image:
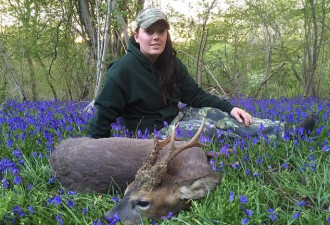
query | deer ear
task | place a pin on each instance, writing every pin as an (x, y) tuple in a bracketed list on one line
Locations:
[(200, 187)]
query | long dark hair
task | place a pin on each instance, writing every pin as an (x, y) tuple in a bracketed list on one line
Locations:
[(166, 66)]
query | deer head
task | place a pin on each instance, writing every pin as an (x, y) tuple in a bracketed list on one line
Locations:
[(167, 184)]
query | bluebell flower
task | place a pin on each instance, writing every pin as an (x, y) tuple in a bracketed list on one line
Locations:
[(5, 184), (17, 180), (70, 203), (259, 160), (272, 214), (9, 143), (296, 215), (71, 192), (326, 148), (301, 203), (285, 165), (51, 180), (248, 212), (30, 208), (247, 172), (243, 199), (84, 211), (256, 174), (235, 166), (59, 219), (245, 220), (57, 200), (115, 199), (16, 153), (231, 196), (170, 215), (114, 219), (245, 157), (18, 211)]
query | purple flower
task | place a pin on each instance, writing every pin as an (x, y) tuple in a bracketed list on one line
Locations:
[(59, 219), (248, 212), (259, 160), (301, 203), (272, 214), (235, 166), (296, 215), (71, 192), (51, 180), (97, 222), (326, 148), (113, 220), (18, 211), (311, 157), (285, 165), (70, 203), (256, 174), (17, 180), (115, 199), (247, 172), (30, 208), (170, 215), (84, 211), (4, 183), (231, 196), (245, 220), (30, 186), (57, 200), (243, 199), (16, 153), (245, 157)]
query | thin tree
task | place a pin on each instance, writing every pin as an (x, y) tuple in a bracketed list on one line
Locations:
[(12, 72)]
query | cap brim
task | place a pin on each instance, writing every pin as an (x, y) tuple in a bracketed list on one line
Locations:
[(151, 21)]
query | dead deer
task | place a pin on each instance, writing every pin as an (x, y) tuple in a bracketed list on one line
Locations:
[(166, 177)]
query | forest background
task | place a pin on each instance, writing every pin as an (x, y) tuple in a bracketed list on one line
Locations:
[(260, 48)]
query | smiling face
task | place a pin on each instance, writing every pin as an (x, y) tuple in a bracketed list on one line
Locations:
[(152, 40)]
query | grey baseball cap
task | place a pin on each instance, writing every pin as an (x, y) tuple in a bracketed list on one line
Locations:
[(149, 16)]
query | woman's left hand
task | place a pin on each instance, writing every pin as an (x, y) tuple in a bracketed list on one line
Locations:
[(241, 116)]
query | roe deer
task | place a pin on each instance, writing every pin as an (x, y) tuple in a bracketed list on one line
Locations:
[(167, 179)]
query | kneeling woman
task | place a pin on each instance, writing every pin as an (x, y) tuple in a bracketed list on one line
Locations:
[(145, 86)]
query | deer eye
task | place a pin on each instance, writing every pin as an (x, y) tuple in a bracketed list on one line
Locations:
[(143, 205)]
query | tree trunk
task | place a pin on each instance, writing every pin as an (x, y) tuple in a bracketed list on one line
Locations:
[(202, 45), (32, 79), (52, 88), (12, 72), (315, 37), (268, 60)]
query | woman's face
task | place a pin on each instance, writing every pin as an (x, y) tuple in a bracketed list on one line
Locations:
[(152, 40)]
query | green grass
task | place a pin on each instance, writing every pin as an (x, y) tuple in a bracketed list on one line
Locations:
[(289, 177)]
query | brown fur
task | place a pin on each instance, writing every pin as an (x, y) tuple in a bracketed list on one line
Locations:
[(164, 183)]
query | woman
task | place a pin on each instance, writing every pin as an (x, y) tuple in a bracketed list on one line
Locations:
[(145, 86)]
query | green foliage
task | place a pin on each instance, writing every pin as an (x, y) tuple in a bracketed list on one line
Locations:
[(42, 45), (288, 177)]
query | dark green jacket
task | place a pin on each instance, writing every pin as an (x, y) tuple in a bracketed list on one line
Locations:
[(130, 91)]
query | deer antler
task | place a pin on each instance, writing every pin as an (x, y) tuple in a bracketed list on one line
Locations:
[(152, 157), (150, 173)]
